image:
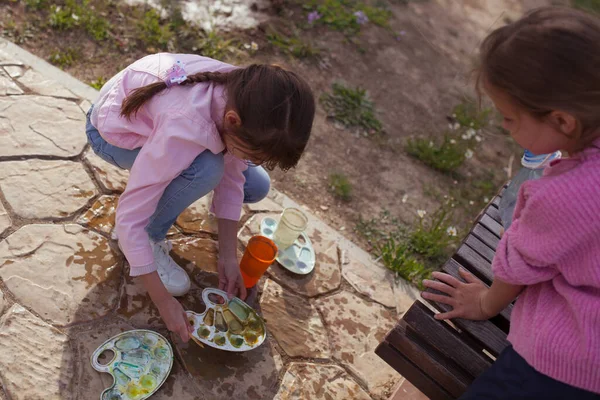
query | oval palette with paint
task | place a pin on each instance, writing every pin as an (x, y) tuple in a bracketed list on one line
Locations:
[(227, 324), (141, 363), (299, 258)]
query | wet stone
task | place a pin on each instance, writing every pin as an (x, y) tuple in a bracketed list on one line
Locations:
[(265, 205), (368, 277), (5, 221), (36, 361), (317, 381), (110, 177), (326, 276), (65, 273), (92, 383), (7, 85), (101, 216), (356, 327), (294, 322), (45, 189), (55, 128), (37, 83), (136, 306), (196, 253), (250, 375), (197, 217)]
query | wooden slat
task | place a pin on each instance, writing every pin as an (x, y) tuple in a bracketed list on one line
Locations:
[(486, 236), (493, 226), (444, 339), (486, 333), (474, 263), (496, 201), (493, 212), (411, 372), (480, 247), (444, 371)]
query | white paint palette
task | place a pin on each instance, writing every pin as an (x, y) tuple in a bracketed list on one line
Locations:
[(299, 258), (227, 324), (141, 363)]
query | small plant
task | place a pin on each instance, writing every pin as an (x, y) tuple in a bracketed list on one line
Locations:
[(36, 4), (587, 5), (98, 83), (73, 15), (340, 186), (65, 58), (152, 32), (214, 45), (347, 16), (446, 157), (468, 115), (292, 45), (412, 252), (352, 108)]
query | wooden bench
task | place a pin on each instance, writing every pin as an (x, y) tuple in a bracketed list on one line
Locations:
[(442, 359)]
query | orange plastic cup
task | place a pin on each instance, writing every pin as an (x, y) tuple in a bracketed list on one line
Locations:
[(260, 253)]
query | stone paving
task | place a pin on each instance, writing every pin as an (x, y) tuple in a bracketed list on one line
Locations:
[(65, 288)]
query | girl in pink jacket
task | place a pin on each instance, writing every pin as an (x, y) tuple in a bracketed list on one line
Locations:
[(186, 125)]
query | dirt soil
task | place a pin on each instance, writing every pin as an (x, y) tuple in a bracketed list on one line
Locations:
[(415, 79)]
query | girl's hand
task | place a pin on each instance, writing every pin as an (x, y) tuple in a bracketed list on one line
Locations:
[(230, 277), (175, 317), (466, 298)]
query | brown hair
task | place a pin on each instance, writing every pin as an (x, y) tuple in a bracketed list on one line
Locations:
[(546, 61), (276, 108)]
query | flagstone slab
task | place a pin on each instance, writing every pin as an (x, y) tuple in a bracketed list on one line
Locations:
[(317, 381), (222, 375), (265, 205), (7, 85), (45, 189), (356, 327), (56, 128), (366, 276), (101, 216), (111, 178), (326, 276), (39, 84), (65, 273), (294, 322), (5, 220), (198, 218), (36, 361)]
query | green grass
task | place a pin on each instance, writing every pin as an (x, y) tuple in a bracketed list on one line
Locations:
[(587, 5), (415, 251), (73, 15), (36, 4), (214, 45), (292, 45), (468, 115), (352, 108), (65, 58), (339, 14), (340, 186), (445, 157), (98, 83), (153, 32)]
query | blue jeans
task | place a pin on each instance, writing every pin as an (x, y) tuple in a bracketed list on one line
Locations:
[(511, 377), (198, 180)]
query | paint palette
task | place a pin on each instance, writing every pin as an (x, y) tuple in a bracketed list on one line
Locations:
[(299, 258), (227, 324), (141, 363)]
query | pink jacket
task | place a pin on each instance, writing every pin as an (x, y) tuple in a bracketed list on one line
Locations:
[(172, 129), (553, 247)]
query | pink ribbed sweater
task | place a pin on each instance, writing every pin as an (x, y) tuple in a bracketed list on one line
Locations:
[(553, 247)]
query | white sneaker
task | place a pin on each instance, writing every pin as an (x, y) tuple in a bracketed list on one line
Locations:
[(175, 279)]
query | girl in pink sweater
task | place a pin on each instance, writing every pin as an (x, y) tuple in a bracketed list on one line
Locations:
[(184, 126), (543, 74)]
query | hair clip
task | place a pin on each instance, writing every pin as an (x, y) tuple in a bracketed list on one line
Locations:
[(176, 74)]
